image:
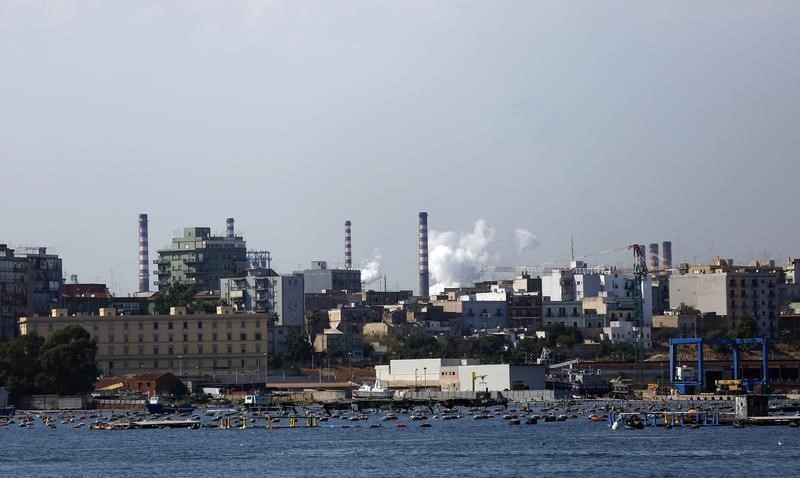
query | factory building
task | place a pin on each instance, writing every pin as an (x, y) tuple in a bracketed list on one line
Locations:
[(200, 259), (319, 279)]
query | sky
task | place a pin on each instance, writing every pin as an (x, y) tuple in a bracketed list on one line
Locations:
[(514, 124)]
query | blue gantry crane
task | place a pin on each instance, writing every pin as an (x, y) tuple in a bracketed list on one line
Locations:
[(688, 385)]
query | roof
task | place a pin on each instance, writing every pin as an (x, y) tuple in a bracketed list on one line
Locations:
[(151, 375)]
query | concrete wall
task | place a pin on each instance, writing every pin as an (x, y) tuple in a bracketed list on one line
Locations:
[(705, 292), (290, 300), (498, 377)]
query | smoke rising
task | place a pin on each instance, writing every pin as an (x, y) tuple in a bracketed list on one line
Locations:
[(455, 260), (525, 240), (371, 269)]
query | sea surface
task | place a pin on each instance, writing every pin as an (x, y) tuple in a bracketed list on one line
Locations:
[(466, 447)]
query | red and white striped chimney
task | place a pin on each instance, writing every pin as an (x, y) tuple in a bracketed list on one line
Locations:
[(424, 284), (348, 247), (144, 266)]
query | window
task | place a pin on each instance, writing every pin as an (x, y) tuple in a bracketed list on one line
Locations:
[(155, 325), (214, 348), (169, 325), (111, 339), (185, 337), (243, 336), (185, 325), (199, 337), (141, 326), (124, 326), (155, 349), (141, 338), (229, 336), (155, 337), (213, 324), (199, 324), (214, 336), (230, 349), (258, 335)]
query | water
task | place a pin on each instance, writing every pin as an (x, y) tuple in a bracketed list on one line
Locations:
[(460, 447)]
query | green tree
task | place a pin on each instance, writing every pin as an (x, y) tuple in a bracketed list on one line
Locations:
[(68, 362), (745, 328), (20, 364), (272, 319), (178, 295), (298, 347)]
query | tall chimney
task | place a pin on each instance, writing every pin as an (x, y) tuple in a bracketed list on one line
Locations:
[(144, 266), (666, 254), (229, 227), (348, 250), (653, 256), (423, 255)]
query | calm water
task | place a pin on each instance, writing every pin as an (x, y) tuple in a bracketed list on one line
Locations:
[(460, 447)]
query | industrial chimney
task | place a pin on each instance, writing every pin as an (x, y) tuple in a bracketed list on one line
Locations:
[(229, 227), (423, 255), (348, 251), (653, 256), (666, 254), (144, 266)]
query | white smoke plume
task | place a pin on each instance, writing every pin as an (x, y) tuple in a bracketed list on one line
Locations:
[(525, 240), (456, 260), (371, 269)]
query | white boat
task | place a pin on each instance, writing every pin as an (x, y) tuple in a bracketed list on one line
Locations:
[(373, 391)]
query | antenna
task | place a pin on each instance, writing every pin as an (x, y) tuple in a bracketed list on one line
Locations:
[(571, 247)]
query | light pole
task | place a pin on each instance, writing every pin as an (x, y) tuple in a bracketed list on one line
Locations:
[(265, 368), (416, 370), (425, 376), (350, 358)]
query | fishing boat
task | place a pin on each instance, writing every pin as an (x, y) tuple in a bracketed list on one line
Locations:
[(156, 404), (372, 392)]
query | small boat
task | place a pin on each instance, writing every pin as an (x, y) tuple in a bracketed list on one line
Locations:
[(531, 421), (514, 421), (156, 405), (372, 392)]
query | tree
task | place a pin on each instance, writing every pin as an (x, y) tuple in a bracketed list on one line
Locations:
[(68, 362), (298, 347), (20, 364), (745, 328), (178, 295)]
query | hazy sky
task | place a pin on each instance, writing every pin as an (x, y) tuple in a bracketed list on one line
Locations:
[(619, 122)]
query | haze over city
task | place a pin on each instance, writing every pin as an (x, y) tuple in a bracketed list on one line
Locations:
[(513, 124)]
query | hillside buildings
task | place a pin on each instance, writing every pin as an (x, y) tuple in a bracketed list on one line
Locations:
[(734, 291)]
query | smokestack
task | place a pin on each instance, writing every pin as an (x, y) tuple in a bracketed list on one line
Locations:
[(653, 256), (348, 247), (666, 254), (423, 255), (144, 266), (229, 227)]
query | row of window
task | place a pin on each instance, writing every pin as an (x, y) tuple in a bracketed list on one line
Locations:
[(200, 337), (199, 363), (170, 350)]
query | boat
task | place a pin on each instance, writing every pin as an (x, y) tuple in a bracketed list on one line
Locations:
[(7, 411), (155, 404), (373, 392)]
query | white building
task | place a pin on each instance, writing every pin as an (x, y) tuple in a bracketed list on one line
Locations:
[(623, 331), (499, 377), (290, 299), (417, 372), (463, 375)]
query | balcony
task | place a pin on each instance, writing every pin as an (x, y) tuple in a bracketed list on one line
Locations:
[(161, 261), (195, 273)]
